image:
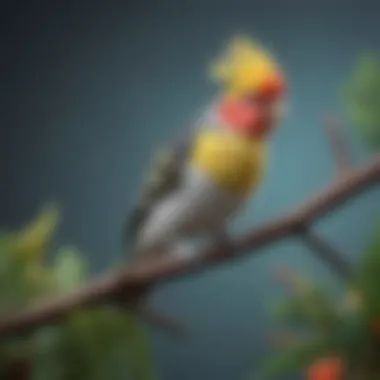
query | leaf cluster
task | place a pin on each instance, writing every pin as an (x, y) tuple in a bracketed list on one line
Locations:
[(327, 327), (361, 96), (94, 344)]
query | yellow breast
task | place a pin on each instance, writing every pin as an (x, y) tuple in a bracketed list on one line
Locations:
[(233, 162)]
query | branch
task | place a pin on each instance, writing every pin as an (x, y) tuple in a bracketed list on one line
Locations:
[(165, 322), (328, 254), (157, 318), (148, 313), (134, 280)]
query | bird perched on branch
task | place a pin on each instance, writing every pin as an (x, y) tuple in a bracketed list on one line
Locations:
[(197, 185)]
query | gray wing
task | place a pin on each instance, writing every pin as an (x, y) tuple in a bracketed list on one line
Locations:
[(164, 175), (163, 178)]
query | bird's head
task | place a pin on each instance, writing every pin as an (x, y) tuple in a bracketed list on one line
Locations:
[(253, 89)]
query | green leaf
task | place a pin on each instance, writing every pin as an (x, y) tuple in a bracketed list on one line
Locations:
[(95, 344), (106, 343), (49, 363), (20, 280), (369, 275), (15, 291), (312, 308), (361, 95), (132, 344), (139, 353), (70, 269), (33, 240)]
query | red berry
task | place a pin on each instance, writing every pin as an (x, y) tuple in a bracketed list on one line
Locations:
[(326, 369)]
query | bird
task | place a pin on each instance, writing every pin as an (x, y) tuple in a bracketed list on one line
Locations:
[(197, 185)]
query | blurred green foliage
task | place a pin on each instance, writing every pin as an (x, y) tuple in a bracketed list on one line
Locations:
[(314, 319), (368, 278), (100, 343), (327, 327), (362, 98)]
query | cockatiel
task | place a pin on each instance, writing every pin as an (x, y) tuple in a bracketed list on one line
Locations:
[(199, 184)]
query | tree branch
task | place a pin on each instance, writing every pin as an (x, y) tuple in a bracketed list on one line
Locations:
[(134, 280), (148, 313)]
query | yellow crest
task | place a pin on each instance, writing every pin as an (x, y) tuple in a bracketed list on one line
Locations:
[(244, 67)]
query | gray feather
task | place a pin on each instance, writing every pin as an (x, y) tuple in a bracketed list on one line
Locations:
[(163, 178), (165, 173)]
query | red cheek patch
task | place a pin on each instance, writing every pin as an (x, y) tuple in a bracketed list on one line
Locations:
[(240, 116)]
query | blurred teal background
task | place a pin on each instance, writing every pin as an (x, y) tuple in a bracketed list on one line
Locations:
[(90, 90)]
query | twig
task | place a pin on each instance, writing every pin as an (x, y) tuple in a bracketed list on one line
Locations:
[(150, 314), (156, 318), (134, 280), (328, 253)]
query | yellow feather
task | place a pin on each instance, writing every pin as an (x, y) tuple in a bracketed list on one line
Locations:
[(244, 66), (236, 164)]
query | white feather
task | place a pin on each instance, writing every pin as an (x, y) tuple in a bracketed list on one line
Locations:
[(199, 208)]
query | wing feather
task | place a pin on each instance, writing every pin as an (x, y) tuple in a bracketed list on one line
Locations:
[(164, 175), (163, 178)]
